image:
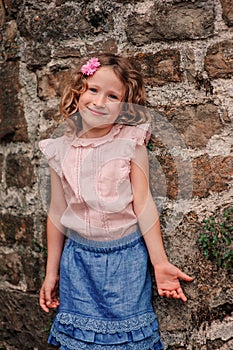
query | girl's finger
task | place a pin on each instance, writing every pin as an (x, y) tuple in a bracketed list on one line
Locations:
[(168, 293), (181, 294), (48, 297), (42, 301), (175, 295), (54, 304), (160, 292), (185, 277)]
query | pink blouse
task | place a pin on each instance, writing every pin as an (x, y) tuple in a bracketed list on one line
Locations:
[(95, 176)]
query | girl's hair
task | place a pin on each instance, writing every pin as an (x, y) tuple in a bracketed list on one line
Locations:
[(135, 94)]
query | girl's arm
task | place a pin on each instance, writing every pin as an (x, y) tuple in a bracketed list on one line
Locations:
[(167, 275), (55, 242)]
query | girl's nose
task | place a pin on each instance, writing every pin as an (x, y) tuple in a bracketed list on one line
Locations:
[(100, 100)]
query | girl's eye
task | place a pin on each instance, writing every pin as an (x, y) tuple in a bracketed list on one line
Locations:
[(113, 97), (93, 90)]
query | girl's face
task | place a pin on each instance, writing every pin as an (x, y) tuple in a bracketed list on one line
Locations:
[(100, 104)]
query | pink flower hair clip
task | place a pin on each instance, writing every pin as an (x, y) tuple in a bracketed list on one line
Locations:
[(91, 66)]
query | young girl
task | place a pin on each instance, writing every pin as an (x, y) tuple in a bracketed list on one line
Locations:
[(100, 199)]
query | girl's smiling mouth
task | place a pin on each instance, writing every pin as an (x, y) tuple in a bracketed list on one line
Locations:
[(98, 112)]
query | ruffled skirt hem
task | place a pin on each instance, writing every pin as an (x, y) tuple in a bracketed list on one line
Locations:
[(67, 343), (73, 332), (157, 346)]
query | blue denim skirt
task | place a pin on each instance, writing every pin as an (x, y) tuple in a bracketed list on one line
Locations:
[(105, 297)]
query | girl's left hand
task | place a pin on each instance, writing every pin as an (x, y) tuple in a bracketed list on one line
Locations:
[(167, 279)]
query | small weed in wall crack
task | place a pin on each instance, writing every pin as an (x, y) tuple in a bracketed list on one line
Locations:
[(215, 239)]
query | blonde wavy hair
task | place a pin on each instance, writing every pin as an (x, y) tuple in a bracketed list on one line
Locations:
[(135, 94)]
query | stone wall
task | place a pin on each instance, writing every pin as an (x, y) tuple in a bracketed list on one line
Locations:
[(185, 51)]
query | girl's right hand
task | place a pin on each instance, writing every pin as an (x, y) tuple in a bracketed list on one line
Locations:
[(48, 299)]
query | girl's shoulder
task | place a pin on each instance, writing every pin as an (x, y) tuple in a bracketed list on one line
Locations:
[(54, 150), (53, 146), (140, 133)]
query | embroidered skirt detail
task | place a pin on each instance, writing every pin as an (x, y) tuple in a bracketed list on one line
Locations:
[(105, 297)]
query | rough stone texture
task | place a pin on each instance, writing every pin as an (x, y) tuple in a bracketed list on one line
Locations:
[(16, 229), (171, 177), (9, 42), (55, 23), (1, 166), (196, 124), (12, 122), (22, 256), (219, 60), (20, 327), (19, 171), (11, 268), (227, 11), (11, 8), (184, 49), (160, 68), (36, 55), (172, 21), (52, 84), (212, 174)]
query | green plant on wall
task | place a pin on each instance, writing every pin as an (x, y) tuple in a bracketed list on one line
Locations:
[(150, 145), (215, 239)]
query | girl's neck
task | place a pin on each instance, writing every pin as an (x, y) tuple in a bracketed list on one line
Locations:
[(95, 132)]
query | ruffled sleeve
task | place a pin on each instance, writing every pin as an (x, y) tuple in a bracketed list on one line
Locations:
[(54, 150), (139, 134), (142, 134)]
